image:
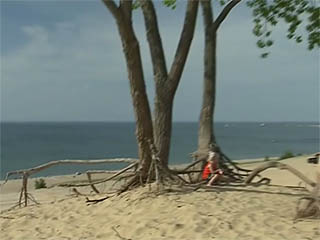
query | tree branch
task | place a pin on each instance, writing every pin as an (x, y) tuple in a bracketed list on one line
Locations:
[(184, 45), (113, 8), (207, 12), (126, 7), (224, 13), (154, 40)]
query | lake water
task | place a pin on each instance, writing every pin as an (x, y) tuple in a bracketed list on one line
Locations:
[(25, 145)]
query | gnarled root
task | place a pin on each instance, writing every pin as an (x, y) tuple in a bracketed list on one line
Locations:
[(309, 206)]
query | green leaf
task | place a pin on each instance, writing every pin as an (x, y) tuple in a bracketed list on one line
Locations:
[(261, 43), (290, 35), (222, 2), (267, 14), (299, 39), (170, 3), (269, 43)]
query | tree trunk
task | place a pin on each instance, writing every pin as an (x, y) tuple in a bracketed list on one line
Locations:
[(166, 84), (206, 130), (142, 112), (206, 135), (162, 104), (130, 44), (163, 124)]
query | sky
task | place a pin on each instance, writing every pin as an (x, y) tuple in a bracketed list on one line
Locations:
[(63, 61)]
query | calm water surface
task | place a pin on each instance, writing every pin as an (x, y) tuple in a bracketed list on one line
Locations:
[(25, 145)]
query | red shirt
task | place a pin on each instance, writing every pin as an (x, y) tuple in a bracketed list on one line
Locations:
[(207, 170)]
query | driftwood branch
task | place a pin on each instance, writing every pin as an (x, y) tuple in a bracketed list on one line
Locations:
[(31, 171), (279, 165), (25, 173)]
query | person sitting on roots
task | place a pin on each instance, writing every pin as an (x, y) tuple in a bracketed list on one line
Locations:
[(211, 171)]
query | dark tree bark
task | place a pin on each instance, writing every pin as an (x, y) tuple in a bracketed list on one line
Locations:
[(206, 136), (206, 130), (144, 129)]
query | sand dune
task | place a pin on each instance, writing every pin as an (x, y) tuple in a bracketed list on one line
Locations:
[(221, 212)]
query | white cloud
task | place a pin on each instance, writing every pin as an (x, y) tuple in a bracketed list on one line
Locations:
[(75, 70), (56, 65)]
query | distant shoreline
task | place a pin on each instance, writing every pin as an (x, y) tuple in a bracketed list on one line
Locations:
[(315, 123)]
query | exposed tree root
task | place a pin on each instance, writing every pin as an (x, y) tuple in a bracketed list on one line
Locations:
[(162, 175), (95, 201), (309, 206), (25, 173), (279, 165)]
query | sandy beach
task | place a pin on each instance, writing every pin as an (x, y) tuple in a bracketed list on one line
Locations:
[(219, 212)]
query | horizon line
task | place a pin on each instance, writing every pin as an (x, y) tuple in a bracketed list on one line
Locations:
[(113, 121)]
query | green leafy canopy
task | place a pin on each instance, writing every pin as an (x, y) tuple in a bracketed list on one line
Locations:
[(267, 14)]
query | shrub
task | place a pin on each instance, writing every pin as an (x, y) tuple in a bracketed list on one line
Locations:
[(266, 158), (40, 183), (287, 154)]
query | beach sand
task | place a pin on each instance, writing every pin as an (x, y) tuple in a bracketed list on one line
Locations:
[(219, 212)]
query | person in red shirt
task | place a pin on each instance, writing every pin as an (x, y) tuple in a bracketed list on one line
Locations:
[(211, 171)]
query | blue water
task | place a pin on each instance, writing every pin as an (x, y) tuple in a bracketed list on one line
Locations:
[(24, 145)]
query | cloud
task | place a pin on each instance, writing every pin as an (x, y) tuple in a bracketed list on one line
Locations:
[(57, 65), (75, 70)]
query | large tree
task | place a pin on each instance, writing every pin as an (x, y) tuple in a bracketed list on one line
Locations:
[(158, 130), (266, 14), (166, 83)]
